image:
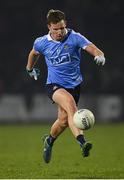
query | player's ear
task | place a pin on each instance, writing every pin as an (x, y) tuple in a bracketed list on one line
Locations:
[(48, 25), (65, 23)]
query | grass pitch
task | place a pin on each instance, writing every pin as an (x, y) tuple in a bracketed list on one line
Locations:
[(21, 153)]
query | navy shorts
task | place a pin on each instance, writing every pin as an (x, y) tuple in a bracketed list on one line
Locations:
[(51, 88)]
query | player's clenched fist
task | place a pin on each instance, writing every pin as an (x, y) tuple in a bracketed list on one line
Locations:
[(34, 73), (99, 60)]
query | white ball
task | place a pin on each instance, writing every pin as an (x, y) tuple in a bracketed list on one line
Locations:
[(84, 119)]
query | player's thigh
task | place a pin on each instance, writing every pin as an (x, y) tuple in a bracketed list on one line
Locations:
[(64, 99)]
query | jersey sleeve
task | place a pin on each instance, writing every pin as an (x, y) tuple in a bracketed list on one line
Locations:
[(37, 46), (82, 41)]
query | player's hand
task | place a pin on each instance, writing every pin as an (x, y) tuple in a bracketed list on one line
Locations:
[(34, 73), (100, 60)]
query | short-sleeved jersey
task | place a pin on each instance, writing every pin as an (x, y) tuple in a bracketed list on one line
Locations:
[(62, 58)]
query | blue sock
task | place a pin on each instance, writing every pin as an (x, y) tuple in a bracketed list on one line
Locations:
[(81, 140)]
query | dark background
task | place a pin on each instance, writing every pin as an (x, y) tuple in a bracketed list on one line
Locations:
[(21, 22)]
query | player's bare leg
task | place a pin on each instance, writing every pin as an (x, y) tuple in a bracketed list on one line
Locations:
[(66, 101), (67, 108)]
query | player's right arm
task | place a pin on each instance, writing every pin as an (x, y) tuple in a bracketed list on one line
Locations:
[(32, 59)]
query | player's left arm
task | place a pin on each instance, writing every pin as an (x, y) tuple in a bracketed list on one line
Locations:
[(97, 53)]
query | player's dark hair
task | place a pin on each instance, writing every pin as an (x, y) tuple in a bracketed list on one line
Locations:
[(55, 16)]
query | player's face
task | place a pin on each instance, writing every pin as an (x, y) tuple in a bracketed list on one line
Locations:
[(57, 31)]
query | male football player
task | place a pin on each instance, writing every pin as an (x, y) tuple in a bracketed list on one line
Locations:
[(61, 48)]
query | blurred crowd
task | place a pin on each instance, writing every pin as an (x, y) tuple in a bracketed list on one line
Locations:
[(23, 21)]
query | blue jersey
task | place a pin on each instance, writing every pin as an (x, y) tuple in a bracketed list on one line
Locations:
[(62, 58)]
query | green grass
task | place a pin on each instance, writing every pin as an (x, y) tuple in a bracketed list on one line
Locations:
[(21, 153)]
